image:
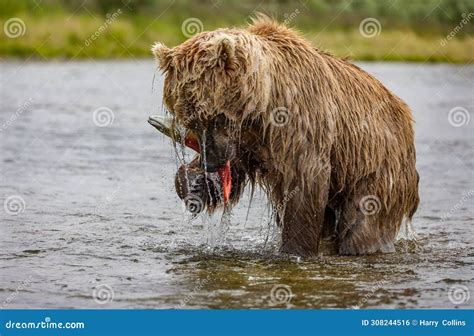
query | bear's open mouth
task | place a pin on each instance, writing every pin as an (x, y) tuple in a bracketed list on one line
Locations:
[(172, 129)]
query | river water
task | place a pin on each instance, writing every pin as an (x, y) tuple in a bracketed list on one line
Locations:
[(90, 218)]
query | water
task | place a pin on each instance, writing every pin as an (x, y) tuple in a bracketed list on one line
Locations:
[(98, 223)]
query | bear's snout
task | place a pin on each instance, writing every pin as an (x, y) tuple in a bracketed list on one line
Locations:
[(216, 150)]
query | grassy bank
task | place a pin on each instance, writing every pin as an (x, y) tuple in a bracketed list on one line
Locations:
[(125, 32)]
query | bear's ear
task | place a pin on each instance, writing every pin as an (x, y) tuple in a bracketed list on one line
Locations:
[(224, 51), (227, 49), (162, 55)]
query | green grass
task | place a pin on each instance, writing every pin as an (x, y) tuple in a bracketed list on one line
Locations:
[(58, 35)]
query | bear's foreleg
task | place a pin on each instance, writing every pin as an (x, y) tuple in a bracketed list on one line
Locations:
[(303, 223)]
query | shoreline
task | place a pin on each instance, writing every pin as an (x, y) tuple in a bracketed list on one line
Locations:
[(35, 59), (54, 37)]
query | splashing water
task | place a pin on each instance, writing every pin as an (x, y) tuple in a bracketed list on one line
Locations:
[(207, 176)]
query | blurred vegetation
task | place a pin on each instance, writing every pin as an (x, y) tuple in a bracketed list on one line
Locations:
[(411, 30)]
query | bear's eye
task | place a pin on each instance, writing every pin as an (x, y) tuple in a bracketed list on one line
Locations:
[(193, 124), (220, 122)]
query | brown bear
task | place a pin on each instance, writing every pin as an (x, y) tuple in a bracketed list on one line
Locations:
[(331, 146)]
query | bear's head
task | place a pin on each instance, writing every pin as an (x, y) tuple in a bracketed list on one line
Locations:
[(215, 85)]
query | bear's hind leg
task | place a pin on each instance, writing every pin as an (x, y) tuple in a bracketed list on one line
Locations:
[(363, 231)]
